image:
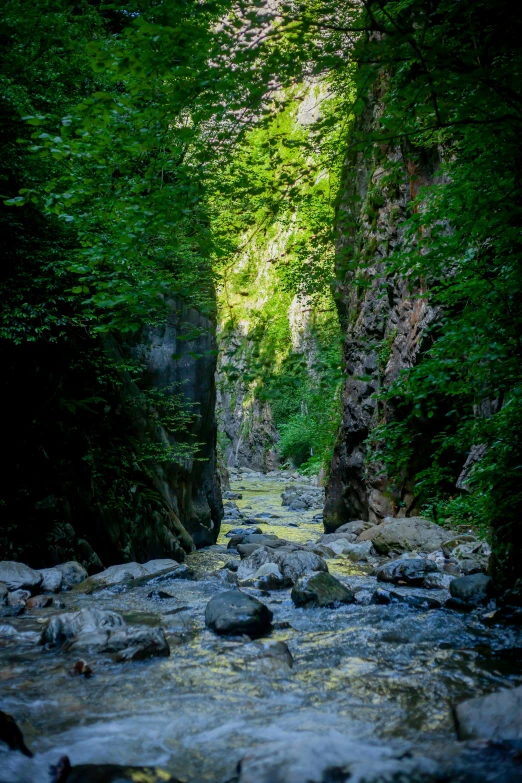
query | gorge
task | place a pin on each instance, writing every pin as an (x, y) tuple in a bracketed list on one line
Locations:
[(260, 518)]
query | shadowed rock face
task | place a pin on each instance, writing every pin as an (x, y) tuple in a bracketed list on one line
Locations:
[(384, 326), (192, 488)]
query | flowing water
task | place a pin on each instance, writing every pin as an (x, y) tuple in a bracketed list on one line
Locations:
[(369, 673)]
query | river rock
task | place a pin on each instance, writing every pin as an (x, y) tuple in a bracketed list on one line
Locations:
[(3, 594), (18, 576), (120, 573), (39, 602), (355, 552), (472, 558), (269, 577), (407, 534), (409, 571), (437, 581), (68, 625), (321, 590), (72, 573), (135, 643), (497, 716), (293, 561), (52, 579), (234, 612), (11, 735), (329, 538), (155, 566), (18, 598), (335, 757), (355, 528), (472, 589)]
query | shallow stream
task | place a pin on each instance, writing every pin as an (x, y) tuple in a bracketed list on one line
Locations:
[(385, 673)]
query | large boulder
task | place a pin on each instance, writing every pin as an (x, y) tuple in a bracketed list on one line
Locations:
[(293, 562), (52, 579), (411, 572), (497, 716), (72, 573), (234, 612), (408, 534), (17, 576), (321, 589), (155, 566), (474, 588), (97, 630), (64, 627), (121, 573)]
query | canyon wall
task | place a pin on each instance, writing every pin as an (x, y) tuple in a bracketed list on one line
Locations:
[(384, 324), (90, 474)]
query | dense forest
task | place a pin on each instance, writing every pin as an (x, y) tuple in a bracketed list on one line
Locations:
[(272, 241)]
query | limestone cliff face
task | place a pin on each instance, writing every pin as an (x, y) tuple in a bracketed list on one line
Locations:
[(384, 324)]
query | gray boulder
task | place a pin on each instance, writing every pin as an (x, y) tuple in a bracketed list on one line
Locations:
[(234, 612), (18, 576), (437, 581), (497, 716), (120, 573), (355, 552), (411, 572), (72, 573), (471, 589), (97, 630), (321, 589), (68, 625), (329, 538), (155, 566), (18, 598), (408, 534), (269, 577), (356, 527), (52, 579), (293, 562)]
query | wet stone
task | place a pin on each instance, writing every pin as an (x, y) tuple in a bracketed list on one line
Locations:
[(11, 735), (471, 589), (321, 589), (411, 572), (497, 716), (234, 612)]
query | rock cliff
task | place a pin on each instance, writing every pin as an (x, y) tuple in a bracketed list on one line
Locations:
[(109, 463), (384, 324)]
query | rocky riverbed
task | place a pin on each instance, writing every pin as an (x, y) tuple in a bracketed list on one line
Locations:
[(343, 657)]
